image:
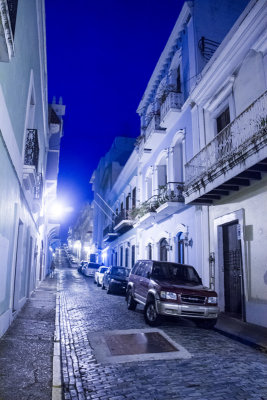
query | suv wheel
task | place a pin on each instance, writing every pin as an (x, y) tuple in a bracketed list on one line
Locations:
[(206, 323), (152, 318), (131, 303)]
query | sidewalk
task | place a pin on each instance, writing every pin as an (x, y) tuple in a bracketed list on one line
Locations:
[(244, 332), (26, 349)]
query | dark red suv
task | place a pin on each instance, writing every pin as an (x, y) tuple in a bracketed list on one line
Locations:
[(167, 288)]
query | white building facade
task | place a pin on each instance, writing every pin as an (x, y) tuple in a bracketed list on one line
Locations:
[(227, 169), (198, 169), (25, 133)]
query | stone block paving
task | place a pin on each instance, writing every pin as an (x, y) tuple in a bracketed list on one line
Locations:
[(220, 368), (26, 349)]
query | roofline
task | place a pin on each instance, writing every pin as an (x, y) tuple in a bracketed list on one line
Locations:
[(166, 54)]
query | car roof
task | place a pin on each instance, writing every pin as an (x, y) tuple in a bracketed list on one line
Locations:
[(165, 262)]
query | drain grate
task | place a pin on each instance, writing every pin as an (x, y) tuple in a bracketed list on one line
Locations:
[(135, 345)]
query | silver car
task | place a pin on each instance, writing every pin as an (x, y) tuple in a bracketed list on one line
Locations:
[(99, 274)]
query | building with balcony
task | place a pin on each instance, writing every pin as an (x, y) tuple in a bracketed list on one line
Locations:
[(25, 136), (201, 157), (110, 217), (226, 168), (168, 227)]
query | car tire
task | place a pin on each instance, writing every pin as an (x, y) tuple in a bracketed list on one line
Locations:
[(131, 303), (152, 317), (103, 286), (206, 323), (97, 283)]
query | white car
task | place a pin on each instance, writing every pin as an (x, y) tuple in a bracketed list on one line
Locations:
[(99, 275), (90, 269)]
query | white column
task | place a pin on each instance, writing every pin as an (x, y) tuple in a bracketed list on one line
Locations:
[(170, 168), (155, 180)]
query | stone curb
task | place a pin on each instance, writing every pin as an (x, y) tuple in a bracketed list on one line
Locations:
[(57, 379)]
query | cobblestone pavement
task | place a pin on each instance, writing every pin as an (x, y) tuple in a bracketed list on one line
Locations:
[(26, 349), (219, 368)]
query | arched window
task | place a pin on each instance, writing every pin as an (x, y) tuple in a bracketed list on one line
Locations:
[(163, 250), (180, 248), (149, 251)]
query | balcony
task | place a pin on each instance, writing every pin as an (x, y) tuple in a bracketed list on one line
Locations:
[(144, 214), (31, 157), (170, 108), (234, 158), (108, 234), (170, 199), (153, 132), (123, 222)]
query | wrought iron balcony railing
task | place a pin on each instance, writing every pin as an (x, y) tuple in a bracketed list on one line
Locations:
[(173, 100), (231, 145), (153, 126), (147, 206), (122, 216), (31, 155), (108, 229), (171, 192)]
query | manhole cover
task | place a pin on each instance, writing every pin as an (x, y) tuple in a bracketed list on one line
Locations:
[(138, 343), (135, 345)]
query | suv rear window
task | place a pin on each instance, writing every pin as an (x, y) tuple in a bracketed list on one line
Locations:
[(119, 271), (177, 273)]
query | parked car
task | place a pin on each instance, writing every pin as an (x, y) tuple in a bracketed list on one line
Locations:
[(115, 279), (90, 269), (82, 265), (171, 289), (99, 275)]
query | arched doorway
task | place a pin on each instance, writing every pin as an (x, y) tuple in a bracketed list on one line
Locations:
[(163, 250), (180, 244), (149, 251)]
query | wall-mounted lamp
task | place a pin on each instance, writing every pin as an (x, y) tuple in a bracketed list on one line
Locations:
[(187, 241), (168, 247)]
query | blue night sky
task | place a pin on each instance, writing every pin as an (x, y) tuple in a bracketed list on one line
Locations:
[(100, 57)]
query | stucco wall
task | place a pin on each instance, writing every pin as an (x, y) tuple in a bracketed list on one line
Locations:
[(253, 201)]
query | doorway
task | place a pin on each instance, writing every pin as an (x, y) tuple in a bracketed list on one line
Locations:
[(163, 250), (232, 266), (18, 268)]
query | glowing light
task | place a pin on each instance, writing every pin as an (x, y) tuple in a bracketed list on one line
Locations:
[(57, 210), (77, 244)]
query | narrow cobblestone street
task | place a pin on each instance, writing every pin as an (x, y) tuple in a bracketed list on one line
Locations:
[(219, 367)]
